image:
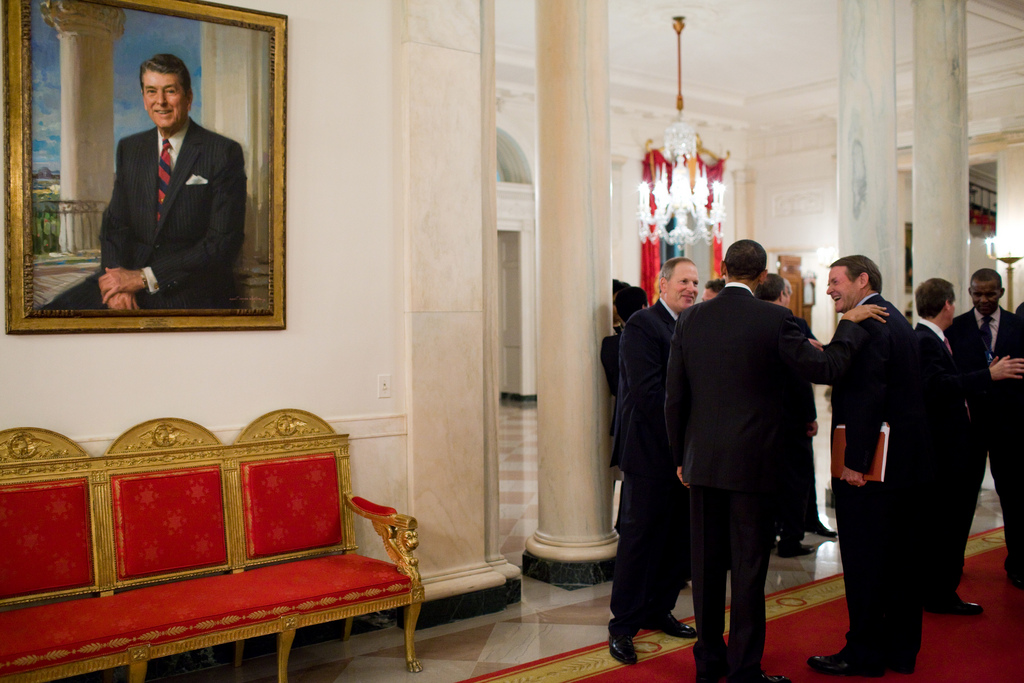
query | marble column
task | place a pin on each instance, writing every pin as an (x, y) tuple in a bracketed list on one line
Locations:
[(439, 180), (868, 218), (1010, 214), (236, 102), (941, 216), (491, 288), (87, 33), (574, 543)]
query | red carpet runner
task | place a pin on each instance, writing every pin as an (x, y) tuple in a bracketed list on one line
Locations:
[(811, 620)]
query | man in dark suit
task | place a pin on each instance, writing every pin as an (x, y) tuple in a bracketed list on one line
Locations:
[(652, 561), (959, 467), (881, 563), (728, 366), (801, 424), (176, 218), (978, 337)]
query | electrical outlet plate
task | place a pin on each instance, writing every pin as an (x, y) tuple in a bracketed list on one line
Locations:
[(383, 386)]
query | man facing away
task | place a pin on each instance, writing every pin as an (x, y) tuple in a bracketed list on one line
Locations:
[(652, 562), (176, 218), (978, 337), (880, 561), (724, 405), (959, 467)]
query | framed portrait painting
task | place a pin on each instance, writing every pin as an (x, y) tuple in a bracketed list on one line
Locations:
[(145, 166)]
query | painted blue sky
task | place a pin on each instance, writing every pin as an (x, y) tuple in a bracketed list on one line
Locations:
[(145, 34)]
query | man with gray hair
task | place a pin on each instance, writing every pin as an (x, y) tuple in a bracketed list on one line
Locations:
[(652, 562)]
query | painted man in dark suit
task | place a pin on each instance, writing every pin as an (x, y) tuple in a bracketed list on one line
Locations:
[(171, 246), (978, 337), (881, 562), (959, 467), (652, 562), (725, 404)]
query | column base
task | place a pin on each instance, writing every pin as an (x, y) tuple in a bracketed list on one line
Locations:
[(568, 575)]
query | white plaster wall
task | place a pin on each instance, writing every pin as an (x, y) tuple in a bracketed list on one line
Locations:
[(344, 284)]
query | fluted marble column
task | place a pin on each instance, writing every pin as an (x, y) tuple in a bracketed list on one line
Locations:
[(574, 173), (1010, 215), (87, 33), (868, 219), (941, 214)]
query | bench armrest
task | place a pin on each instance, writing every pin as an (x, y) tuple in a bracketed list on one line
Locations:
[(396, 530)]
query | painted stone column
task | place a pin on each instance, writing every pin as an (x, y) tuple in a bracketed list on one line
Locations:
[(868, 218), (574, 542), (941, 214), (1010, 215), (236, 97), (87, 33)]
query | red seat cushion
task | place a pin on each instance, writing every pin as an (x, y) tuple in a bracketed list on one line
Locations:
[(168, 521), (44, 537), (59, 633), (291, 504)]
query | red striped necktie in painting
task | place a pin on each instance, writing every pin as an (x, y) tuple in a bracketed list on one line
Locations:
[(164, 176)]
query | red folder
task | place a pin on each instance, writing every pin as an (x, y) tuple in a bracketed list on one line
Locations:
[(877, 471)]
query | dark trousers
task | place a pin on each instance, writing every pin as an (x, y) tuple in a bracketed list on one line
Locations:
[(882, 572), (796, 479), (652, 562), (1007, 464), (951, 501), (731, 530)]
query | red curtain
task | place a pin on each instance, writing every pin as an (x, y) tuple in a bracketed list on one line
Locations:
[(715, 174)]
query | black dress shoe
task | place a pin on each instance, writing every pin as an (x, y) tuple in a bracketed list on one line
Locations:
[(794, 549), (621, 649), (710, 677), (956, 606), (835, 665), (901, 668), (1017, 580), (823, 531), (765, 678), (671, 626)]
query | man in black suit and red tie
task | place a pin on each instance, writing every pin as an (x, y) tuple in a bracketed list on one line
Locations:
[(727, 371), (959, 467), (652, 562), (176, 218), (978, 337), (881, 563)]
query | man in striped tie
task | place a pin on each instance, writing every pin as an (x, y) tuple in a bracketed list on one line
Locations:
[(176, 219), (977, 338)]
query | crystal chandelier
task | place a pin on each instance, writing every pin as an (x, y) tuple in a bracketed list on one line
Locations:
[(686, 202)]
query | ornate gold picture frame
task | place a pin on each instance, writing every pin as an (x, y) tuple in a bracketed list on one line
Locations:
[(73, 98)]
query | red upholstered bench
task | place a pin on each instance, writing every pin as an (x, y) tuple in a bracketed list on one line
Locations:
[(172, 541)]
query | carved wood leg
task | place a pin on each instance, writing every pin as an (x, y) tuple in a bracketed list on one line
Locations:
[(348, 630), (137, 672), (412, 613), (239, 648), (284, 648)]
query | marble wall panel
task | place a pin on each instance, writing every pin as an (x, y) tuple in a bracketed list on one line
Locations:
[(446, 445), (451, 24), (444, 247)]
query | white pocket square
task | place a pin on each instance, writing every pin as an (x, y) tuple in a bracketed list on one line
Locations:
[(196, 180)]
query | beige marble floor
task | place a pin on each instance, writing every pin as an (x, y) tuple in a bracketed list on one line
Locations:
[(549, 620)]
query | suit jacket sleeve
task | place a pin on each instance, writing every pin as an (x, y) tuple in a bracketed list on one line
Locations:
[(866, 397), (817, 366), (116, 226), (225, 227), (642, 362), (939, 378), (678, 397)]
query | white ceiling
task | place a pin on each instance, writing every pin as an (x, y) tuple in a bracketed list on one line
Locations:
[(755, 63)]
